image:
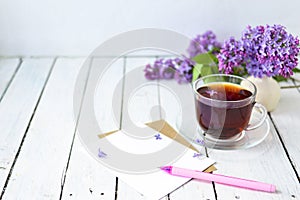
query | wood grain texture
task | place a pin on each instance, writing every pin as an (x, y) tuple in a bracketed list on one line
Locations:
[(287, 121), (86, 178), (16, 110), (41, 158), (40, 167), (8, 68), (194, 190), (172, 109), (266, 162), (142, 101)]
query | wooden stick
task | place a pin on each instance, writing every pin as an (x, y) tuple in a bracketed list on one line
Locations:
[(290, 86), (294, 79)]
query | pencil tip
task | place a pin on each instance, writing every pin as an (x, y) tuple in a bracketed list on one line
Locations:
[(166, 168)]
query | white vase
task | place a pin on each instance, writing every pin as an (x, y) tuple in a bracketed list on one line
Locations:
[(268, 91)]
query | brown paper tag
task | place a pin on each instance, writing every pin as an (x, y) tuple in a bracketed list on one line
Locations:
[(210, 169), (107, 134)]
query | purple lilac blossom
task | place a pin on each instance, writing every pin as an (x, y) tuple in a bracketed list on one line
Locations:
[(168, 69), (152, 72), (267, 51), (183, 68), (203, 43), (197, 155), (157, 136), (231, 55), (101, 154), (161, 69), (200, 141), (178, 68), (272, 51)]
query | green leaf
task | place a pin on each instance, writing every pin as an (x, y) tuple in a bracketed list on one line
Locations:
[(204, 58), (280, 78), (296, 70), (215, 69), (214, 58), (207, 70), (197, 71)]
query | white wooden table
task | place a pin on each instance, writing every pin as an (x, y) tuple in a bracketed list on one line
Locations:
[(41, 156)]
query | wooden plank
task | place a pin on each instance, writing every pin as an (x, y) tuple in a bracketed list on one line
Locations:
[(142, 107), (16, 110), (287, 121), (140, 94), (86, 178), (169, 103), (8, 68), (266, 162), (41, 164), (172, 107), (92, 175), (194, 190)]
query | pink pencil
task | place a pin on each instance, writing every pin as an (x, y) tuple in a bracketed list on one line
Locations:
[(226, 180)]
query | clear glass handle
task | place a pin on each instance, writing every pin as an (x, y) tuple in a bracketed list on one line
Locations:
[(263, 112)]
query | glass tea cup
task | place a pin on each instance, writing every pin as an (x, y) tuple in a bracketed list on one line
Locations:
[(224, 105)]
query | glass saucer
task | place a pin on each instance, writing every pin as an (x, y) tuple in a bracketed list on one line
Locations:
[(193, 133)]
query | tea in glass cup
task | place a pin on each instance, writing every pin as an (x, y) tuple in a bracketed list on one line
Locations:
[(224, 105)]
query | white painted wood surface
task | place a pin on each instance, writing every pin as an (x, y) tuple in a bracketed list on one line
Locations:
[(285, 119), (45, 151), (267, 162), (172, 106), (95, 181), (37, 132), (17, 108), (140, 101), (86, 178), (8, 68)]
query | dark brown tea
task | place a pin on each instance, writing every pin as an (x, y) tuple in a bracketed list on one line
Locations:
[(221, 111)]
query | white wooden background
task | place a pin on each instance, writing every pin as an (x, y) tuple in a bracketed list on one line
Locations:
[(41, 156)]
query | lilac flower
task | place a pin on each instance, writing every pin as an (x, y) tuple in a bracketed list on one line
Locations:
[(183, 68), (101, 154), (271, 51), (231, 55), (263, 50), (203, 43), (197, 155), (178, 68), (152, 72), (168, 69), (158, 137), (161, 69), (199, 141)]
